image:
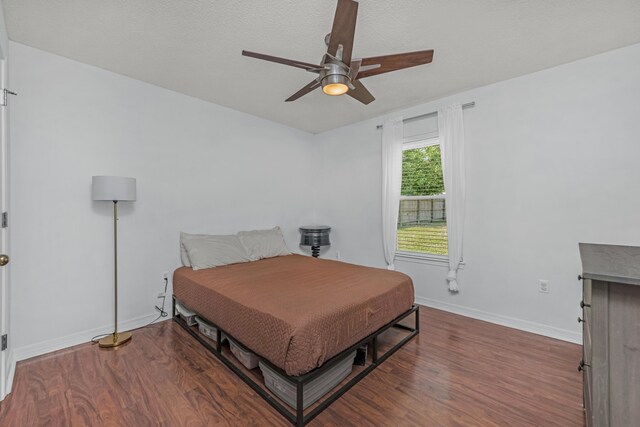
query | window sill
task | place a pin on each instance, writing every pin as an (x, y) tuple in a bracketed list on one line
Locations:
[(416, 257)]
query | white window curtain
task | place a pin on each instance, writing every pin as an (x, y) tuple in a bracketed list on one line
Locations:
[(391, 186), (451, 134)]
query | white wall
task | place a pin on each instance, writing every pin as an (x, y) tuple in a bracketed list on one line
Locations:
[(4, 39), (552, 159), (200, 168)]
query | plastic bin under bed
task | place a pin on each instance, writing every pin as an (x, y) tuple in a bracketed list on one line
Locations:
[(209, 331), (312, 391), (249, 360), (188, 315)]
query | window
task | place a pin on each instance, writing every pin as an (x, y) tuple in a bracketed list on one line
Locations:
[(422, 222)]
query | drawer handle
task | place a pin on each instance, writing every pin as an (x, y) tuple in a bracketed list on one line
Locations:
[(580, 320), (582, 365), (583, 305)]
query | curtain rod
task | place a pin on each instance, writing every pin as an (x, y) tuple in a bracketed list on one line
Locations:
[(467, 105)]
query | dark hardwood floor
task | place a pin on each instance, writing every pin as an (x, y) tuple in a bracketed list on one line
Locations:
[(457, 372)]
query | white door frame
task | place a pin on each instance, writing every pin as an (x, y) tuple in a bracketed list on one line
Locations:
[(7, 364)]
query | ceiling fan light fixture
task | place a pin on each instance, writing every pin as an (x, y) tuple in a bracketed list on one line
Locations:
[(335, 81), (334, 89)]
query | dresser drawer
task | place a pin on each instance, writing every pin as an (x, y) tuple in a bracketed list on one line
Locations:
[(588, 410), (586, 320), (586, 335), (586, 291)]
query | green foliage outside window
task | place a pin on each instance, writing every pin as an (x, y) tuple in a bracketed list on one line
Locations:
[(422, 172), (422, 226)]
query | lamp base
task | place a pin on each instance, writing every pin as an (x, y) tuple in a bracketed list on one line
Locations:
[(115, 339)]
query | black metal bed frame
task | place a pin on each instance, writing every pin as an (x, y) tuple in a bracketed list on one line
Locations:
[(299, 418)]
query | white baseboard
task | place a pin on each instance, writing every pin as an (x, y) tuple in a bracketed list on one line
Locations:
[(11, 362), (11, 369), (37, 349), (511, 322)]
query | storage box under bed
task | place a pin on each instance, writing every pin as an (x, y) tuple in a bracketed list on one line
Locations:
[(314, 390)]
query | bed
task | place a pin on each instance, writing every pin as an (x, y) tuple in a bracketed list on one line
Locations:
[(299, 314)]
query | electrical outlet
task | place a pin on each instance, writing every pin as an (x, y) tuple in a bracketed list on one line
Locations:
[(543, 286)]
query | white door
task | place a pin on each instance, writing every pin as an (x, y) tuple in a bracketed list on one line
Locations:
[(5, 360)]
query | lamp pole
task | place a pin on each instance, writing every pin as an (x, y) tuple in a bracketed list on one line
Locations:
[(115, 339), (115, 264)]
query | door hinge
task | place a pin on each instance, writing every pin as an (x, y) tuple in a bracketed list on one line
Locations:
[(4, 343), (5, 219), (4, 100)]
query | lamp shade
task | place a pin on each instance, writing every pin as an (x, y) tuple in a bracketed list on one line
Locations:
[(116, 188), (315, 235)]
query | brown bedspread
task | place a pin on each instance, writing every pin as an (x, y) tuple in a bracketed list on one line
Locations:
[(295, 311)]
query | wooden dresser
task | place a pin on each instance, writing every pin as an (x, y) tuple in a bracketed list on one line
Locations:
[(611, 334)]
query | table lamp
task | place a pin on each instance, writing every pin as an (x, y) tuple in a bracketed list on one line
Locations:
[(315, 236)]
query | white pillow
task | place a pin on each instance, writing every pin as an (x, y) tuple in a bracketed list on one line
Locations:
[(214, 251), (260, 244), (184, 255)]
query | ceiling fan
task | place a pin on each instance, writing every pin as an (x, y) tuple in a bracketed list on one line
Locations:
[(338, 73)]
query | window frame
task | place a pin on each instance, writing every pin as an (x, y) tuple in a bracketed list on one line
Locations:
[(421, 141)]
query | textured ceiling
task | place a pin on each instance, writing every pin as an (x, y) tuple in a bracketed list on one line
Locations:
[(193, 46)]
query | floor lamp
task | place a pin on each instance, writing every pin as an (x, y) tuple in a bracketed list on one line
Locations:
[(115, 189)]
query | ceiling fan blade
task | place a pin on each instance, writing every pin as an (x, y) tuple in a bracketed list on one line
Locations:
[(305, 90), (343, 30), (354, 68), (393, 62), (291, 62), (360, 93)]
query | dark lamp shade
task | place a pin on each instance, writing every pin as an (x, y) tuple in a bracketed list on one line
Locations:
[(315, 236)]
